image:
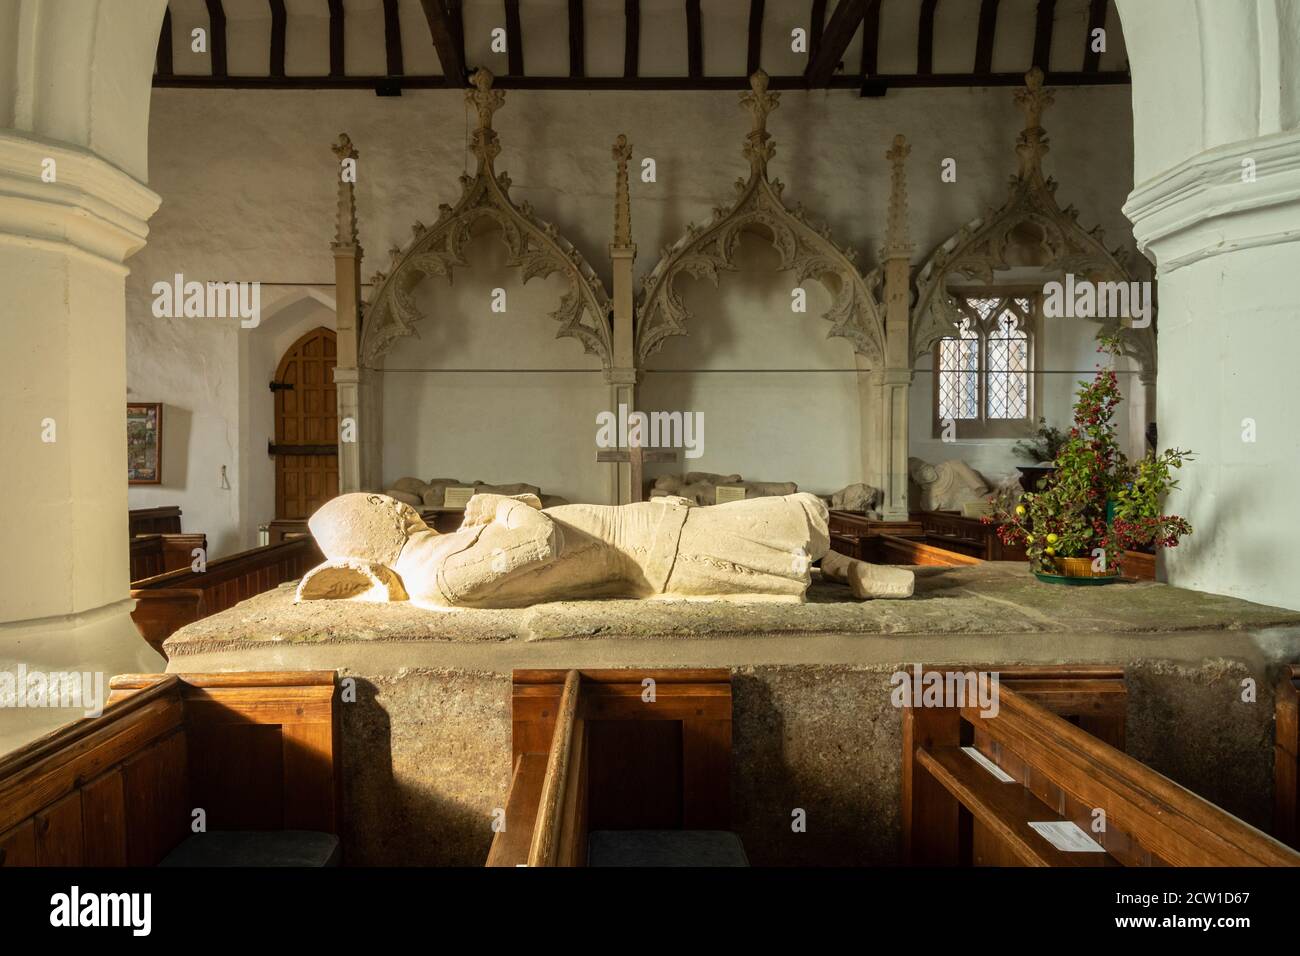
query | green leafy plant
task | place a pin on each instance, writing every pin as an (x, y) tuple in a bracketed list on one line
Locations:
[(1044, 446), (1068, 516)]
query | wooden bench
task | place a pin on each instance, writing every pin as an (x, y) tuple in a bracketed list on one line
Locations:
[(154, 554), (1286, 757), (958, 811), (253, 751), (590, 753), (167, 602), (162, 520)]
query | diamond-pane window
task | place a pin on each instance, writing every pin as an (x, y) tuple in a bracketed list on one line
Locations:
[(983, 373)]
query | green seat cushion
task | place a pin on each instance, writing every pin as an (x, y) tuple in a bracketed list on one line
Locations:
[(256, 848)]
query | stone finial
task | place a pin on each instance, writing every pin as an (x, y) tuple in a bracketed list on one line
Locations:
[(896, 242), (486, 101), (758, 145), (622, 153), (1032, 144), (345, 225)]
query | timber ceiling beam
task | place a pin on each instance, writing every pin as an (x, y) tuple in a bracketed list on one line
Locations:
[(984, 39), (448, 39), (392, 39), (279, 26), (754, 57), (871, 39), (631, 38), (514, 39), (577, 40), (1044, 21), (834, 41), (1096, 21), (925, 38), (337, 67), (217, 37), (694, 40)]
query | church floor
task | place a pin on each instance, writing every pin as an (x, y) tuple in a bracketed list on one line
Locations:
[(426, 745)]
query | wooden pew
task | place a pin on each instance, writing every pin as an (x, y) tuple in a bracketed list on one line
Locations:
[(167, 602), (1286, 758), (161, 520), (154, 554), (254, 751), (590, 753), (957, 812)]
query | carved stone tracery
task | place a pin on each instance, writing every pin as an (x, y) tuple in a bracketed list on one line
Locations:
[(982, 247), (535, 247), (804, 247)]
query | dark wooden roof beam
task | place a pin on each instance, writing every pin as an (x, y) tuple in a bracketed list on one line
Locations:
[(631, 38), (694, 42), (577, 40), (1096, 21), (392, 38), (448, 39), (925, 38), (217, 37), (279, 23), (871, 39), (834, 41), (1044, 21), (514, 39), (984, 41), (336, 38), (754, 58)]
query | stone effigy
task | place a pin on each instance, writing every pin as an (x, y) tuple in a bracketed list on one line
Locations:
[(509, 552), (433, 493), (948, 485), (859, 498), (701, 487)]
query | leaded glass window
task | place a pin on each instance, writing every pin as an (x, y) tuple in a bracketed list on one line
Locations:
[(984, 373)]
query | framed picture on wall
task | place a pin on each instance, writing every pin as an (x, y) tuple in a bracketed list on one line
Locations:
[(144, 443)]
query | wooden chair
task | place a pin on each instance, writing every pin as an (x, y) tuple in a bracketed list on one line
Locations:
[(167, 602), (958, 809), (253, 751), (592, 753), (1286, 758)]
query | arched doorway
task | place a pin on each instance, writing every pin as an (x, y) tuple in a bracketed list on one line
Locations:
[(306, 426)]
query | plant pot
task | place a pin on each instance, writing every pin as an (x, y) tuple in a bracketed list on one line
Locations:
[(1077, 571), (1031, 474)]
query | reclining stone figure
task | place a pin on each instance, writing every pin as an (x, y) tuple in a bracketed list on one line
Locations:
[(511, 553)]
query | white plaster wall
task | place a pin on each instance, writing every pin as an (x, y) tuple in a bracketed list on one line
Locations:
[(248, 185)]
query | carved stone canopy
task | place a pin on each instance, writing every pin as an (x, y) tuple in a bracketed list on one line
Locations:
[(535, 247), (1029, 229), (804, 247)]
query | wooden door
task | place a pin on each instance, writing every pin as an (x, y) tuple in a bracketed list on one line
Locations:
[(306, 426)]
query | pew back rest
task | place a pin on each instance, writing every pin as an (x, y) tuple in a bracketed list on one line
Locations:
[(252, 750), (1060, 773), (604, 749), (167, 602)]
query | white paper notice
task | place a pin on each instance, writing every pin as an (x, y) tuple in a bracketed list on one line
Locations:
[(1067, 837), (988, 765)]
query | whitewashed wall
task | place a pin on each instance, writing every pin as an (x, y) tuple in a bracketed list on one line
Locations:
[(247, 181)]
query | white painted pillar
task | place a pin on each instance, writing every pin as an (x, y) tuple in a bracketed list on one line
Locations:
[(1216, 105), (73, 145)]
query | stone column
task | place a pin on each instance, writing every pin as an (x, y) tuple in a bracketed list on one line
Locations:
[(1216, 106), (72, 154), (347, 301), (893, 381), (623, 376)]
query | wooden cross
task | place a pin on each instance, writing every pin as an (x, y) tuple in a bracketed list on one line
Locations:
[(636, 456)]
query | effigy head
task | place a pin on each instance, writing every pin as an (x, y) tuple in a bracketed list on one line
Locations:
[(364, 526)]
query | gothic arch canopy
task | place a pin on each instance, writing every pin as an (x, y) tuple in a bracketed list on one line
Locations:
[(803, 246), (535, 247), (1030, 216)]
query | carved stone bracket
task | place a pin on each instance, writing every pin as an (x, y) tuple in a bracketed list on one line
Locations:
[(345, 225), (805, 247), (535, 246), (1030, 216)]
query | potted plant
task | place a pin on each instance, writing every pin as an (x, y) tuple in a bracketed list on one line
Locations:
[(1095, 504), (1040, 452)]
